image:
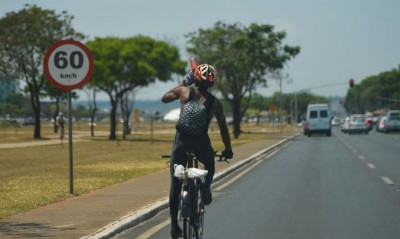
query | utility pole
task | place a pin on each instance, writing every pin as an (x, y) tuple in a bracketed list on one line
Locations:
[(280, 101)]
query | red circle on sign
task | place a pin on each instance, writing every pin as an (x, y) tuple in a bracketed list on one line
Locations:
[(84, 79)]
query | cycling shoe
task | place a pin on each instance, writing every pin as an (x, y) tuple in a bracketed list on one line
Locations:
[(176, 233), (206, 196)]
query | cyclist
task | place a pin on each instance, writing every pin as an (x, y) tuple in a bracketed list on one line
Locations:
[(60, 122), (203, 78)]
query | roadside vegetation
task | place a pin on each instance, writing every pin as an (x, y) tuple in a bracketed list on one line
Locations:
[(36, 176)]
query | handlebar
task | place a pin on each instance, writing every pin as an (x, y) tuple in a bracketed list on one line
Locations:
[(221, 158)]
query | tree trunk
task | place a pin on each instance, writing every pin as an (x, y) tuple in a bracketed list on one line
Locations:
[(125, 120), (35, 102), (92, 126), (237, 117), (113, 121), (126, 129)]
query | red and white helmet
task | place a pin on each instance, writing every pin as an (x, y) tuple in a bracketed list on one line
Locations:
[(206, 75)]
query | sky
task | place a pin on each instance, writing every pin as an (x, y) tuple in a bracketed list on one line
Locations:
[(339, 39)]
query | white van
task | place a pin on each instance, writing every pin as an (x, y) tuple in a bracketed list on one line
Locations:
[(318, 120)]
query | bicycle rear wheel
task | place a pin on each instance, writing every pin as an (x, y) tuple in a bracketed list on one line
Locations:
[(189, 229), (199, 217), (189, 218)]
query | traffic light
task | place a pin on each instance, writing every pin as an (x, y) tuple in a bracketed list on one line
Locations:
[(351, 83), (341, 100)]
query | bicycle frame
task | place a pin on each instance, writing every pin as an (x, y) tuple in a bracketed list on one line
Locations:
[(60, 131), (192, 209)]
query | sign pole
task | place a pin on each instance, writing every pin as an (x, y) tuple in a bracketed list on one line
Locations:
[(68, 65), (71, 158)]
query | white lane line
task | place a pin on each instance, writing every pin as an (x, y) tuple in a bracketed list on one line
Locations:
[(232, 180), (387, 180), (361, 157), (370, 165), (154, 230), (165, 223)]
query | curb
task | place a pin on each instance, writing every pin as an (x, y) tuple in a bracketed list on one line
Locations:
[(150, 211)]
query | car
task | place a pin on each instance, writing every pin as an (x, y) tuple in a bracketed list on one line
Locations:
[(356, 124), (369, 121), (318, 119), (392, 121), (380, 125), (335, 121), (345, 124)]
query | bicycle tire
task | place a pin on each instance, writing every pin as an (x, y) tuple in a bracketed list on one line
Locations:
[(189, 225), (199, 217), (60, 131)]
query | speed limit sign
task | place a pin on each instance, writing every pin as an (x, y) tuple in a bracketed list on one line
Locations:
[(68, 64)]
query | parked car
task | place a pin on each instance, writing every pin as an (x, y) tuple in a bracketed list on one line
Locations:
[(356, 124), (392, 121), (380, 125)]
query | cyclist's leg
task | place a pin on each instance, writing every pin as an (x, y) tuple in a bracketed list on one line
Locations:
[(205, 154), (178, 156), (62, 131)]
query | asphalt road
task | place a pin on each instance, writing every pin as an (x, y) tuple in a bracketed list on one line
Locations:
[(343, 186)]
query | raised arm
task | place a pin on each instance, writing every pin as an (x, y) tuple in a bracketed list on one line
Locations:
[(178, 92)]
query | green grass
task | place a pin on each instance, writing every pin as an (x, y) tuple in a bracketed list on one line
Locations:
[(35, 176)]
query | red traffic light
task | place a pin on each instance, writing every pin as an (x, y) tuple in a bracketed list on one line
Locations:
[(351, 82)]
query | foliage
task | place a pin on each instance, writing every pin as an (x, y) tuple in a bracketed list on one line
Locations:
[(374, 92), (243, 56), (302, 99), (124, 65), (16, 105), (25, 37)]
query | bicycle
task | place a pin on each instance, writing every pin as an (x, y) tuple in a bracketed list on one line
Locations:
[(60, 131), (191, 208)]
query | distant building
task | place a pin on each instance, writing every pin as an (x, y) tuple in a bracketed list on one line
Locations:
[(8, 85)]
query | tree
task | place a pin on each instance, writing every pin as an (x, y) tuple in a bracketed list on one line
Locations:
[(243, 56), (363, 96), (257, 104), (25, 37), (289, 101), (123, 65)]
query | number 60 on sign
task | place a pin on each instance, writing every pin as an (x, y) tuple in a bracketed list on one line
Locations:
[(68, 64)]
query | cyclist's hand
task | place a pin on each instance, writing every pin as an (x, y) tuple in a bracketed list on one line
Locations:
[(227, 153), (189, 78)]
